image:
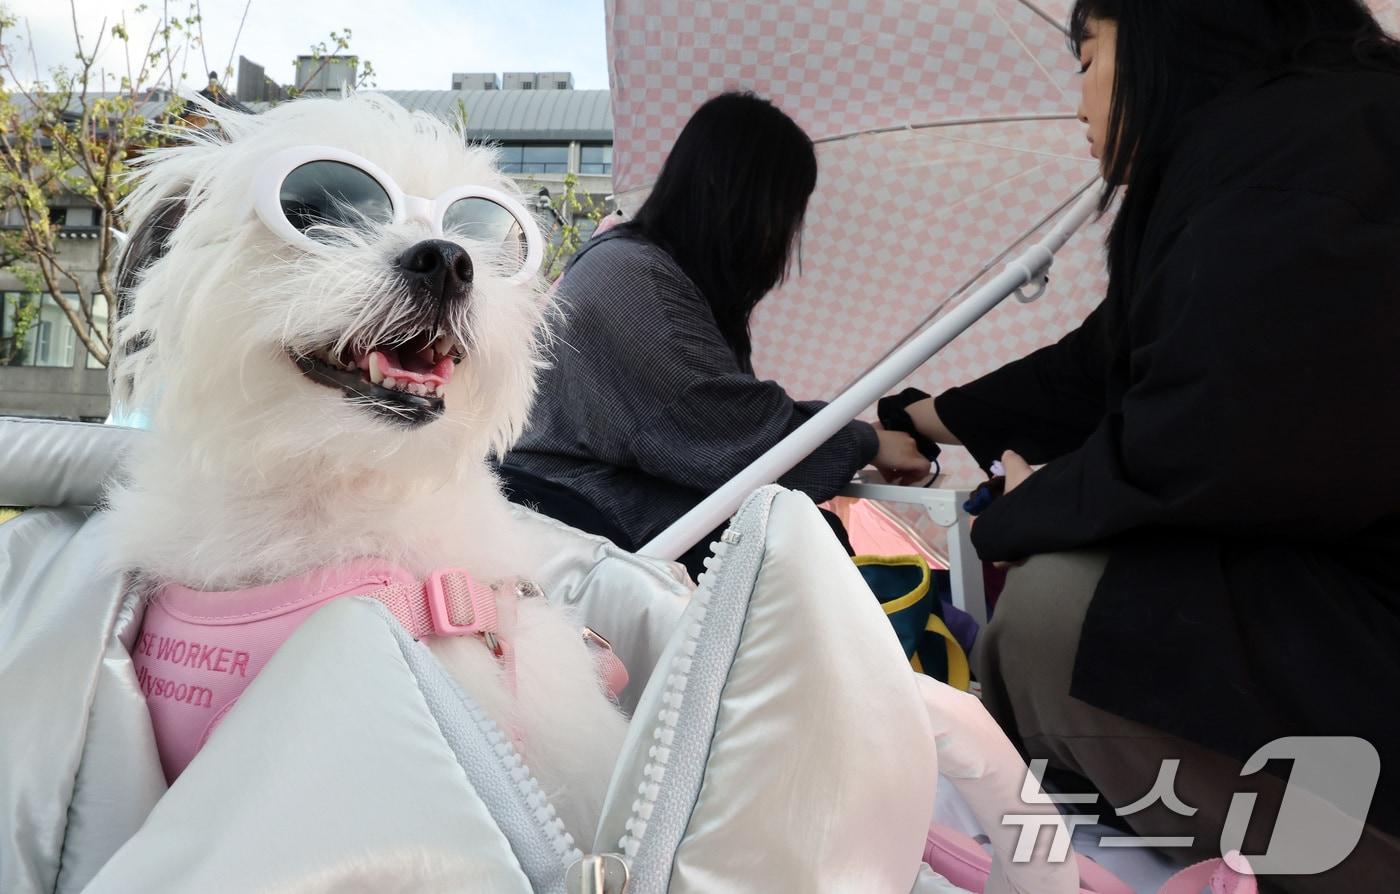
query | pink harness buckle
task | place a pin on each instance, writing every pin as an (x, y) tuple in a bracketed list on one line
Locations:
[(459, 606)]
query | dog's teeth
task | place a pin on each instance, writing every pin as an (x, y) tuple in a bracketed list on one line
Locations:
[(444, 345), (391, 383), (415, 389), (376, 375)]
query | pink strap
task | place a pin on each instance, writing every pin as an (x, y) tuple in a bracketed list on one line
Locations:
[(450, 602), (962, 860), (1218, 874)]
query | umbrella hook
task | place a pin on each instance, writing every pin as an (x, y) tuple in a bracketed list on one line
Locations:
[(1022, 297), (1040, 276)]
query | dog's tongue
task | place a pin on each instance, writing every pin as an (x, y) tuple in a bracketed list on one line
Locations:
[(405, 365)]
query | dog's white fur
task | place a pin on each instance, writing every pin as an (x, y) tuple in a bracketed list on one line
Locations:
[(255, 473)]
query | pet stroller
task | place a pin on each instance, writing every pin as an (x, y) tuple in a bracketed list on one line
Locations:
[(779, 740)]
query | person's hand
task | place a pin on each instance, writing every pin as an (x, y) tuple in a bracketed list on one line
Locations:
[(898, 460), (1016, 469)]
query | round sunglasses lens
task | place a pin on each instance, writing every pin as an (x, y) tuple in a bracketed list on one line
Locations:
[(482, 220), (333, 194)]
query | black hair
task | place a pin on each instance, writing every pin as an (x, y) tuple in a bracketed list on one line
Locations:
[(728, 205), (147, 243), (1173, 56)]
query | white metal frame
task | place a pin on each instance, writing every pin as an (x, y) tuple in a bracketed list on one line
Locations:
[(1032, 267), (944, 508)]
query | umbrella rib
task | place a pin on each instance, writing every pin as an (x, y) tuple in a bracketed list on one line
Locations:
[(969, 199), (1035, 8), (985, 269), (951, 122), (1035, 60), (1016, 149)]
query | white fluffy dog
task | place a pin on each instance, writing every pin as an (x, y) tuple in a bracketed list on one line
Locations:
[(280, 445)]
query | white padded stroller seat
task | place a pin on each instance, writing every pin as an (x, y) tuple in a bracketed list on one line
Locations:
[(757, 758)]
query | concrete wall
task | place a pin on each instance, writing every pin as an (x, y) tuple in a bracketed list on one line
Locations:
[(76, 393), (57, 392)]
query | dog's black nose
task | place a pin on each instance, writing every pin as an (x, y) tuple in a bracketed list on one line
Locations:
[(443, 268)]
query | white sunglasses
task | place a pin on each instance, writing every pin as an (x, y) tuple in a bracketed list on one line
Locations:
[(302, 189)]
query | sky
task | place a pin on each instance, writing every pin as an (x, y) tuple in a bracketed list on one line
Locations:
[(412, 44)]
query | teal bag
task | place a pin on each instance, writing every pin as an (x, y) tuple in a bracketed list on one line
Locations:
[(903, 586)]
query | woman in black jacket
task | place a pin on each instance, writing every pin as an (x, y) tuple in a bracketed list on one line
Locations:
[(1211, 547)]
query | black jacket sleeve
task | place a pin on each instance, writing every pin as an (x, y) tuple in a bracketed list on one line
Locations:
[(1042, 406), (1263, 345)]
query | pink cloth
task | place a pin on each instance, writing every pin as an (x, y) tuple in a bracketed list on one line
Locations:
[(875, 531), (197, 651)]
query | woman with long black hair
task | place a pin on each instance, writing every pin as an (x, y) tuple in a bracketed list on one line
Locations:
[(1211, 547), (651, 402)]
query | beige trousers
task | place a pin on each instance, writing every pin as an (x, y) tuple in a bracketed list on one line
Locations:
[(1025, 658)]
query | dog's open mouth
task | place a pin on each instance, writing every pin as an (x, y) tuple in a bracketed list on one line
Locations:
[(403, 382)]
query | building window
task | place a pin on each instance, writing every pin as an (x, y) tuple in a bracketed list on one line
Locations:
[(65, 217), (527, 86), (99, 323), (561, 85), (525, 158), (48, 338), (595, 159)]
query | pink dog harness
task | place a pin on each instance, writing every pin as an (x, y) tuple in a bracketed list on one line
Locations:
[(197, 651)]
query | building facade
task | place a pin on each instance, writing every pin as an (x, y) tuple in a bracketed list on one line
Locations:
[(49, 372), (544, 130), (542, 133)]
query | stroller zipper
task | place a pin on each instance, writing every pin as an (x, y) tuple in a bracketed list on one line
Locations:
[(664, 732), (679, 749), (546, 817), (543, 847)]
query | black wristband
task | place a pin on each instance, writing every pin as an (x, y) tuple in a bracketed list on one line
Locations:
[(894, 416)]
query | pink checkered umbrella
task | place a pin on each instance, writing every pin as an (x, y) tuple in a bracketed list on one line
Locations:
[(946, 138), (947, 143)]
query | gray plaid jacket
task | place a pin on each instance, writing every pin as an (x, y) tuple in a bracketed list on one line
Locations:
[(645, 411)]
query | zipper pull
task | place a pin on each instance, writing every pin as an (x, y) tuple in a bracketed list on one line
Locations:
[(597, 874)]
